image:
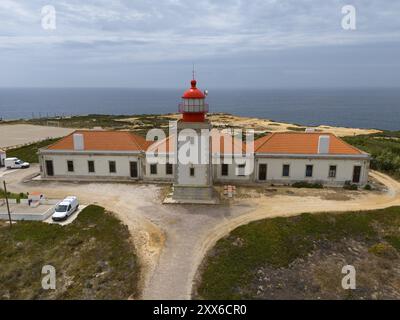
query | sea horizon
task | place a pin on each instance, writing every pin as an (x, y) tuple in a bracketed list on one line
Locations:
[(361, 107)]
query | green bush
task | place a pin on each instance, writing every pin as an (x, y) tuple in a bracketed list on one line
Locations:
[(368, 187), (350, 186), (305, 184)]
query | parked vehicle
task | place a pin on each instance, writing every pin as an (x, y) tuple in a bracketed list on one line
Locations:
[(65, 208), (15, 163)]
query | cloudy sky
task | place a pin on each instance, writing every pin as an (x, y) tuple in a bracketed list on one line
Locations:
[(233, 43)]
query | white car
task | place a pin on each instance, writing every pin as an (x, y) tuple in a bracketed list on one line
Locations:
[(15, 163), (65, 208)]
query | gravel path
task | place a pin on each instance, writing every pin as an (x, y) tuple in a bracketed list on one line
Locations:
[(171, 240)]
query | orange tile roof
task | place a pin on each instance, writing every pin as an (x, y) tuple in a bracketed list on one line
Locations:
[(301, 143), (274, 143), (103, 141), (217, 145)]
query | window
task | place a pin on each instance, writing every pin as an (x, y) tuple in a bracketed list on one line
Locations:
[(70, 165), (192, 172), (332, 171), (241, 168), (309, 170), (168, 168), (112, 166), (285, 170), (153, 168), (224, 169), (91, 166)]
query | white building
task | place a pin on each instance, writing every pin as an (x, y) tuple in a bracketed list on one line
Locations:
[(279, 158), (2, 157)]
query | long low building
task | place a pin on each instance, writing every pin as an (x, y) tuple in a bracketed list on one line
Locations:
[(279, 158)]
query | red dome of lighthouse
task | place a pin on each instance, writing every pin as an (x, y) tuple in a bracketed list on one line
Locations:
[(193, 92), (193, 106)]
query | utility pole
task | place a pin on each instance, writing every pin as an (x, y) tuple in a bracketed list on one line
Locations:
[(8, 205)]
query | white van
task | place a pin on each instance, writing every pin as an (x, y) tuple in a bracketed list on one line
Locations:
[(65, 208), (15, 163)]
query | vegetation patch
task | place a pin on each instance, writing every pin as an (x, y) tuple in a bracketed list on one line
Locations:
[(384, 148), (302, 257), (93, 258), (11, 195), (29, 152), (305, 184)]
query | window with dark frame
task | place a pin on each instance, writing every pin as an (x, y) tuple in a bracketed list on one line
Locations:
[(192, 172), (91, 166), (224, 169), (168, 168), (112, 166), (309, 170), (241, 168), (153, 168), (70, 165), (332, 171), (285, 170)]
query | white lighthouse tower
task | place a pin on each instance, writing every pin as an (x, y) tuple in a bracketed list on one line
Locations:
[(193, 170)]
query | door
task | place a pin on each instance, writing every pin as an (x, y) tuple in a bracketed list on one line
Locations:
[(262, 172), (134, 169), (49, 168), (356, 174)]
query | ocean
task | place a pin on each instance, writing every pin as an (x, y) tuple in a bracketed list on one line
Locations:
[(363, 108)]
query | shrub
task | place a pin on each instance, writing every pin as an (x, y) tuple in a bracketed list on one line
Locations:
[(350, 186), (305, 184), (384, 250), (367, 187)]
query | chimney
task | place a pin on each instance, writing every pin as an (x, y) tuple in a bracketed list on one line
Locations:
[(78, 141), (323, 144)]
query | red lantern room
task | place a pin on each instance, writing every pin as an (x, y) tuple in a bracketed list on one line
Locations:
[(193, 106)]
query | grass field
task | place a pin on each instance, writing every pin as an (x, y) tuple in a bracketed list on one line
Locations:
[(28, 153), (282, 251), (93, 257)]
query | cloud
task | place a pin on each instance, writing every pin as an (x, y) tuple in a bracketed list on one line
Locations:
[(152, 31)]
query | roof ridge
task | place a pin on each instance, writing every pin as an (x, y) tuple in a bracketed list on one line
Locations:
[(55, 142), (267, 138), (133, 137), (351, 146)]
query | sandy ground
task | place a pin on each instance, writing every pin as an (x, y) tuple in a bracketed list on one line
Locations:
[(171, 240), (221, 120), (16, 134)]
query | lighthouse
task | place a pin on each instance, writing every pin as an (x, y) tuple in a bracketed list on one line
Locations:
[(193, 168)]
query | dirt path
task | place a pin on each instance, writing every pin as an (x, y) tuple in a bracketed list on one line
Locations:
[(171, 240)]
